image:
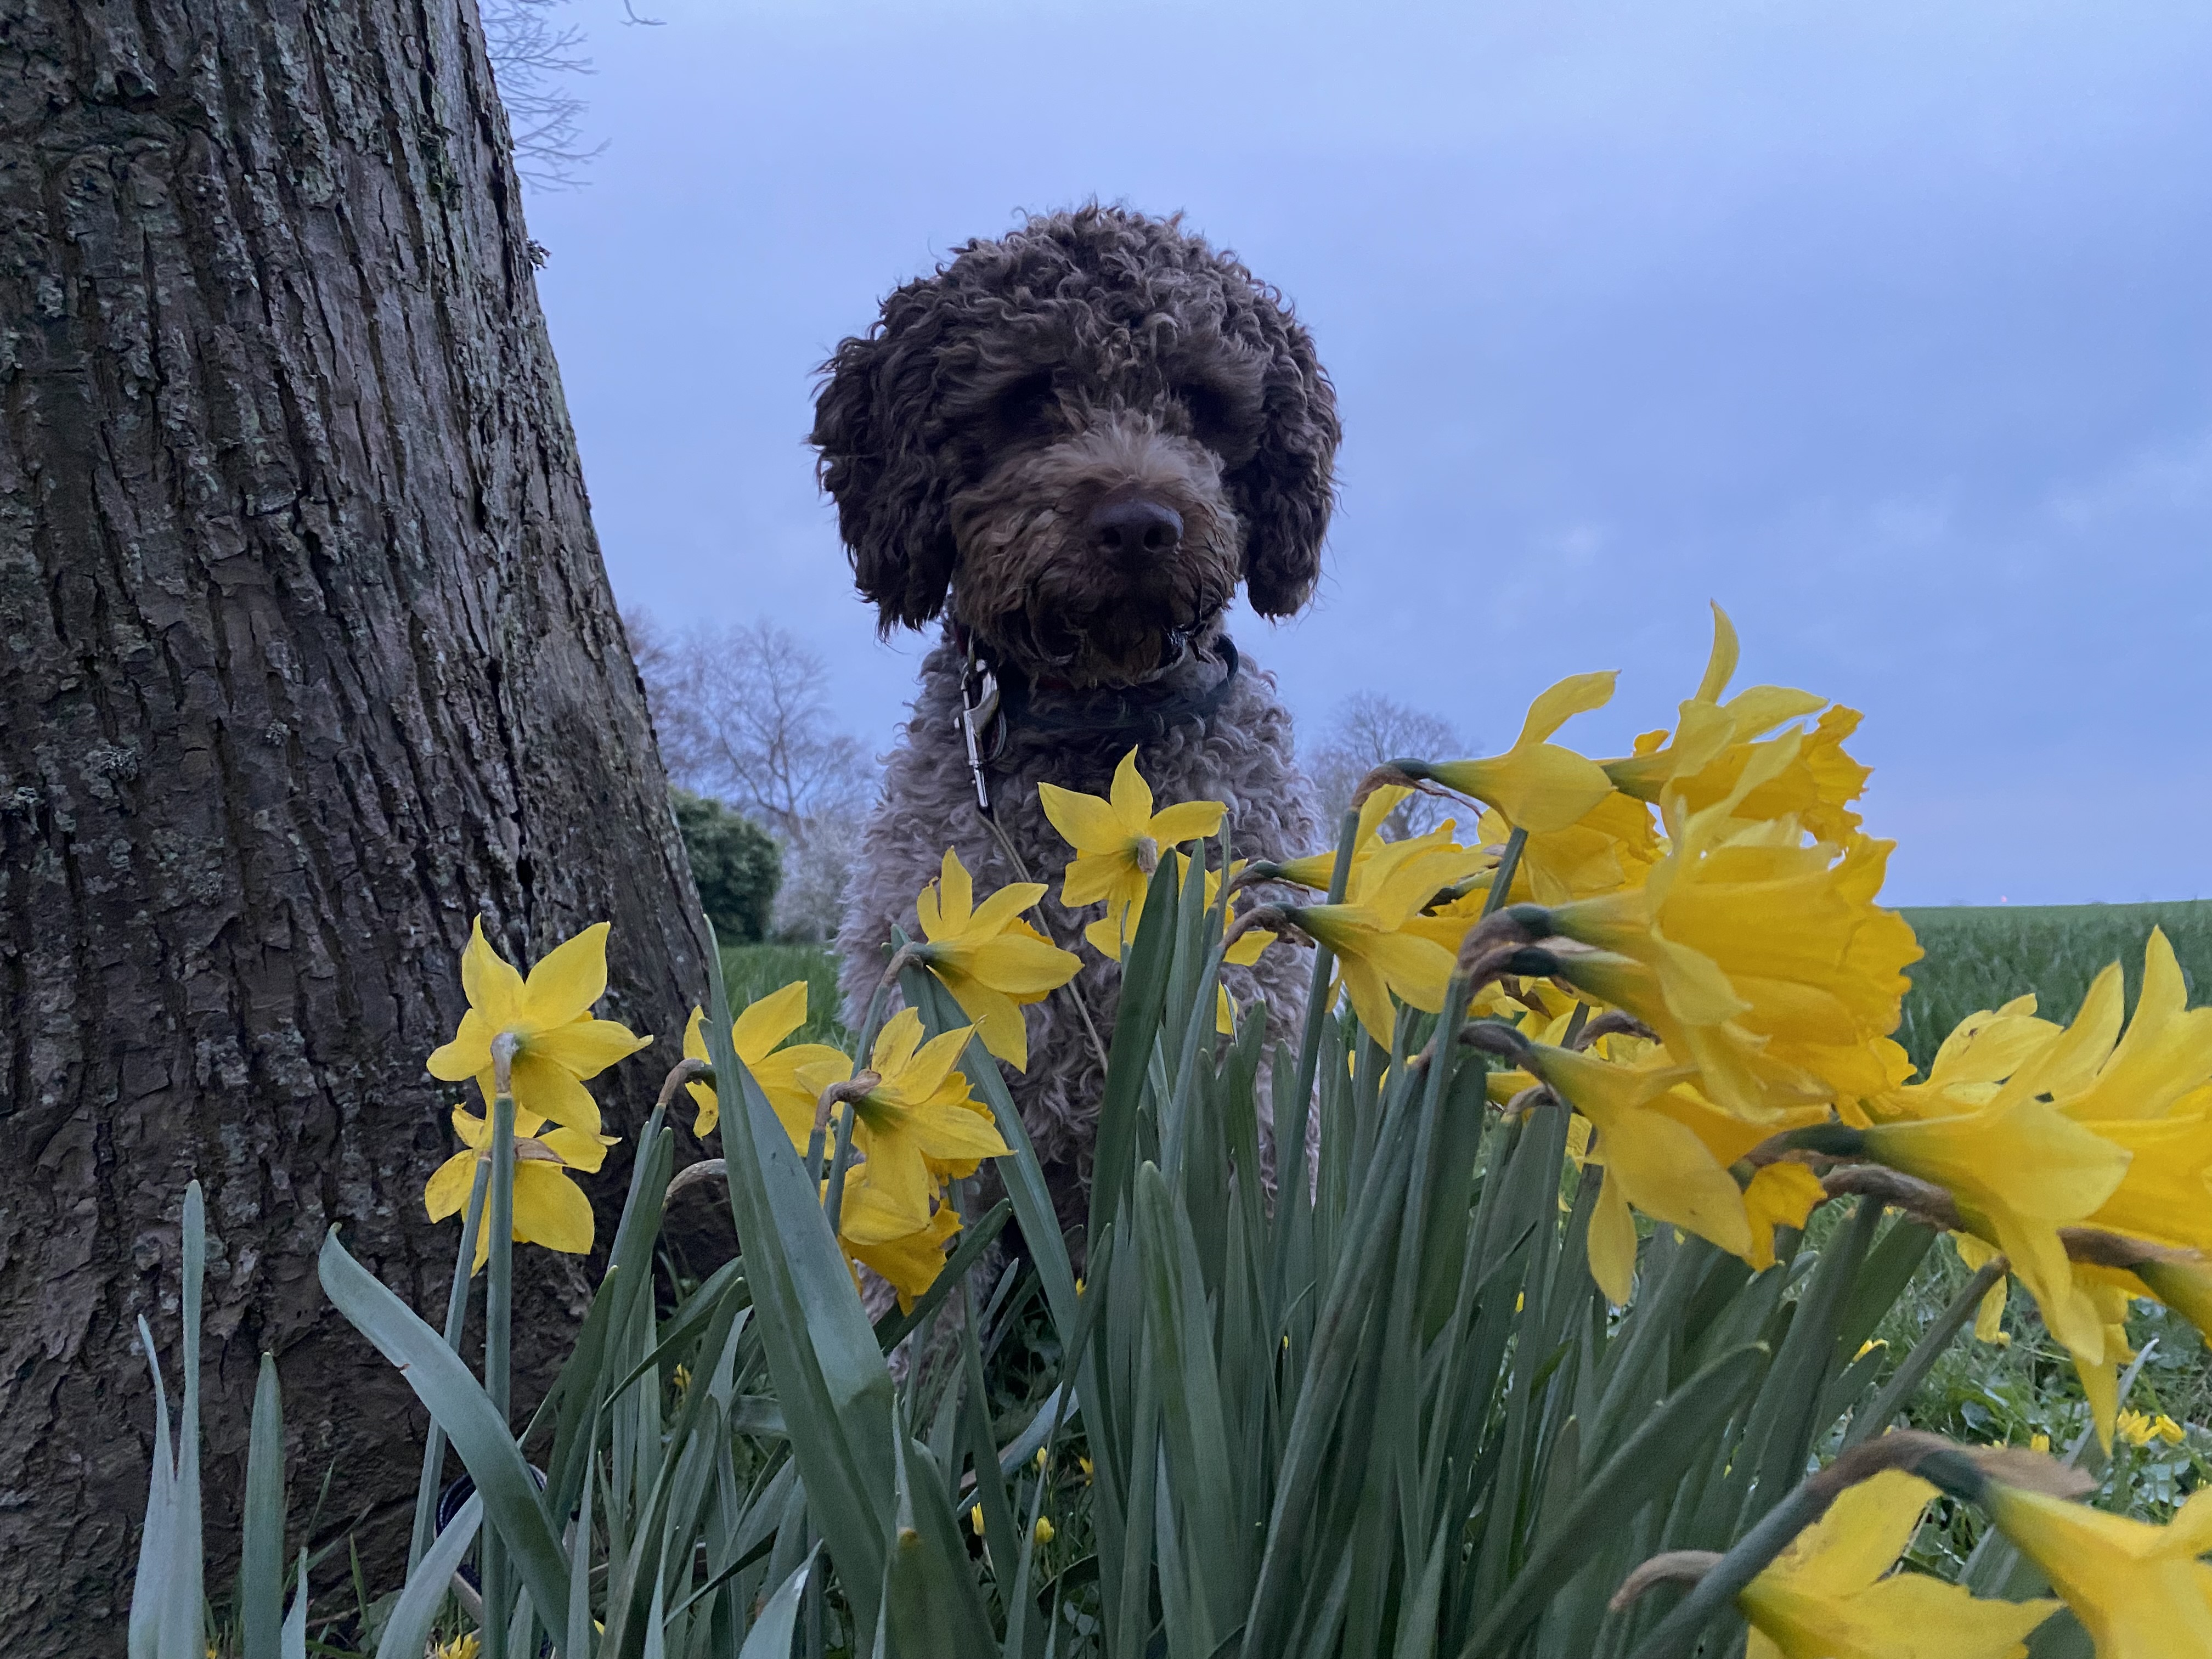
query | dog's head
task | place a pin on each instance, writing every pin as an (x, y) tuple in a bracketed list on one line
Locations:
[(1083, 436)]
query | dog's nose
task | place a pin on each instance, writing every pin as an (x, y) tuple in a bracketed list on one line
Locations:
[(1135, 527)]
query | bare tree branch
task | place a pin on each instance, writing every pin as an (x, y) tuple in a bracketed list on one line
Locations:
[(531, 54), (741, 716), (1367, 730)]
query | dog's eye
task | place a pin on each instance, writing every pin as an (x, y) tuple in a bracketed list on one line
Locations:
[(1023, 405), (1216, 418)]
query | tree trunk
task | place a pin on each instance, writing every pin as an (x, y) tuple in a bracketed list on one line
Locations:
[(310, 659)]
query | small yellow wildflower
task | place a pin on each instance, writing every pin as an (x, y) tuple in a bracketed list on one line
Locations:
[(681, 1378), (975, 1519), (1083, 1463), (1043, 1530), (2140, 1428), (2039, 1442), (1042, 1460)]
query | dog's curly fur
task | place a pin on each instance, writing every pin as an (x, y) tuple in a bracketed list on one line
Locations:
[(1089, 358)]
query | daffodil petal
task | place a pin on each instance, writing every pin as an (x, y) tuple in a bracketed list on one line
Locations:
[(448, 1190), (767, 1022), (550, 1210), (568, 979), (1085, 822), (584, 1047)]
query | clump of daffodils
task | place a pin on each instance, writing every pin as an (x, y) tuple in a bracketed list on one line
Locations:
[(1686, 948)]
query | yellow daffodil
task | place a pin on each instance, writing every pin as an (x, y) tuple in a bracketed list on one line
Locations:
[(1537, 784), (1831, 1595), (755, 1033), (1105, 937), (2019, 1170), (558, 1042), (2167, 1194), (1612, 846), (1316, 869), (1118, 841), (549, 1209), (1716, 741), (2138, 1589), (990, 959), (909, 1264), (915, 1126), (1653, 1161), (1981, 1051), (2164, 1059), (1764, 963), (1377, 953), (1780, 1195)]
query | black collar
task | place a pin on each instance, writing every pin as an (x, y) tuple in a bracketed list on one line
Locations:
[(991, 710), (1142, 712)]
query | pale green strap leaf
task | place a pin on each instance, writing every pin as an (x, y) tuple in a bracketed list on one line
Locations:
[(443, 1385), (407, 1632)]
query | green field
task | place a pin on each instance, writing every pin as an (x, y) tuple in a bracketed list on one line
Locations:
[(1984, 956)]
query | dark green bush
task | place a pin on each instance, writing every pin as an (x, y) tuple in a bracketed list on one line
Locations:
[(735, 862)]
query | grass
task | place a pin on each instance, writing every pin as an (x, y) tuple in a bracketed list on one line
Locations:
[(754, 970)]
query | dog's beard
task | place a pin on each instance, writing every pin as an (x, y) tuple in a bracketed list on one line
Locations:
[(1035, 589)]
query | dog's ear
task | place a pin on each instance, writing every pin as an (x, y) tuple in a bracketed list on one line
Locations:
[(873, 424), (1285, 492)]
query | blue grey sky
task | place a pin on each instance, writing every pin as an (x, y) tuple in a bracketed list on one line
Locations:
[(1888, 326)]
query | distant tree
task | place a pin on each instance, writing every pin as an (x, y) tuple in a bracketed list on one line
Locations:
[(740, 715), (1366, 730), (812, 899), (735, 863)]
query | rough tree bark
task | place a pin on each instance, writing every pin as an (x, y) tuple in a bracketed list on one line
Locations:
[(310, 657)]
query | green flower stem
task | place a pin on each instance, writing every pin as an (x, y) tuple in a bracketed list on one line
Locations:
[(833, 1200), (1929, 1348), (499, 1318), (1324, 960), (457, 1315), (864, 1041), (1501, 879)]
